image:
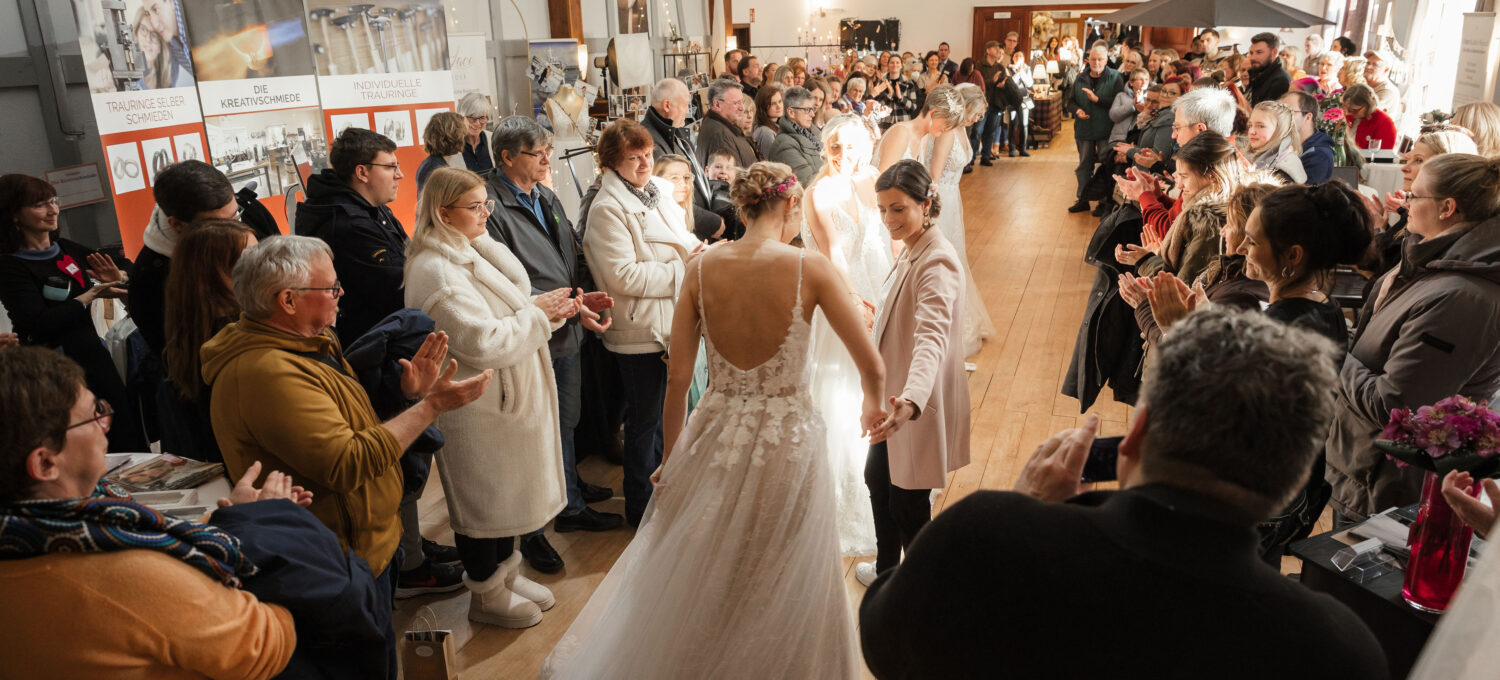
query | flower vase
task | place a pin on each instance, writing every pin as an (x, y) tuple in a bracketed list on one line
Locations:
[(1339, 159), (1439, 544)]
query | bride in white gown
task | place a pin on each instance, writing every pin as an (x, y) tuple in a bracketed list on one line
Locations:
[(841, 221), (735, 571), (945, 156)]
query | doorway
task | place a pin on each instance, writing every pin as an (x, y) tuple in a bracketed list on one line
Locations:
[(993, 23)]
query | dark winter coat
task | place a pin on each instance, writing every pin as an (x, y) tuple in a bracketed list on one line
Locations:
[(369, 251)]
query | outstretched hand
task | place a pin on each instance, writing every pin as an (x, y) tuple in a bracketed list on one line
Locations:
[(278, 485), (103, 269), (1456, 489), (1055, 470)]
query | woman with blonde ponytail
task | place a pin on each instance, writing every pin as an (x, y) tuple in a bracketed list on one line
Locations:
[(942, 112)]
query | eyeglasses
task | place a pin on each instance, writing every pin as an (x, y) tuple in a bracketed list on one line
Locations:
[(43, 205), (639, 158), (103, 414), (1413, 197), (544, 152), (479, 119), (487, 205), (395, 167), (804, 109), (336, 290)]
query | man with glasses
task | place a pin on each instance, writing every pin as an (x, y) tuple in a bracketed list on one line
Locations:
[(666, 120), (796, 144), (346, 207), (185, 193), (720, 129), (1317, 146), (529, 219)]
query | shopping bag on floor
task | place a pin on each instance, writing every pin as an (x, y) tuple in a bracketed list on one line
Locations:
[(428, 654)]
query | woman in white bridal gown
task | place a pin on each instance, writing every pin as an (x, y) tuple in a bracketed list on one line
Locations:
[(945, 156), (841, 222), (735, 572)]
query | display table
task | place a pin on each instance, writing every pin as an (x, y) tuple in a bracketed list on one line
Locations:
[(190, 504), (1046, 119), (1401, 629)]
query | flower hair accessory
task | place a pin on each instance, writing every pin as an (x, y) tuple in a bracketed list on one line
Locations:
[(785, 186)]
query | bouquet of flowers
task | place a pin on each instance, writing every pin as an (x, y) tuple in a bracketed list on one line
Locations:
[(1332, 122), (1435, 117), (1454, 434)]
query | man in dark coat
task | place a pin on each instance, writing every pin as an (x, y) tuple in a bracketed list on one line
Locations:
[(1159, 580), (1268, 80), (721, 129), (530, 221), (346, 208), (1093, 93)]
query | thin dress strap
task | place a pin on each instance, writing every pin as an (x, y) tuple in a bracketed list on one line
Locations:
[(702, 316), (797, 310)]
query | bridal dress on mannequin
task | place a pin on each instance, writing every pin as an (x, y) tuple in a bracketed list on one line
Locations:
[(734, 572), (865, 249), (977, 325), (569, 116)]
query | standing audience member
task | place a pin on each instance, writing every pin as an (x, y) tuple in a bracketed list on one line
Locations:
[(1208, 171), (1317, 146), (1429, 331), (721, 125), (1275, 143), (1370, 124), (1314, 45), (1352, 72), (992, 72), (1483, 120), (48, 285), (529, 220), (478, 293), (477, 112), (918, 330), (1388, 241), (150, 596), (769, 107), (899, 94), (702, 223), (932, 74), (732, 63), (945, 62), (749, 76), (1019, 101), (637, 246), (1129, 104), (200, 302), (1323, 76), (1377, 76), (443, 140), (796, 143), (1345, 46), (1268, 80), (1093, 93), (347, 208), (1176, 545), (184, 192)]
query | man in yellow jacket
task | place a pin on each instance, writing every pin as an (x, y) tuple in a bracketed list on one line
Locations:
[(282, 394)]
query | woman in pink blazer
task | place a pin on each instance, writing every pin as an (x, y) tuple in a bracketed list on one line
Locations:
[(918, 331)]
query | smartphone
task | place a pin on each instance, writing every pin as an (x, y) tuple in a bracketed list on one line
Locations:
[(1100, 466)]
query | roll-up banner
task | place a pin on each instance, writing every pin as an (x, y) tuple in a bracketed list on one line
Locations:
[(135, 53), (384, 67), (257, 80)]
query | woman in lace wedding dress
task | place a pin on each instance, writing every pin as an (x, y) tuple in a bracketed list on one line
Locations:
[(945, 156), (841, 222), (735, 572)]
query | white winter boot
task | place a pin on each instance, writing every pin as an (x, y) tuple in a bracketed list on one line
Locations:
[(523, 586), (493, 603)]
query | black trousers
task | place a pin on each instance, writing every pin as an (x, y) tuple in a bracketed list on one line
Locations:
[(482, 556), (899, 513)]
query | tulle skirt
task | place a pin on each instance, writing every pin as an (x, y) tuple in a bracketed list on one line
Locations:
[(838, 395)]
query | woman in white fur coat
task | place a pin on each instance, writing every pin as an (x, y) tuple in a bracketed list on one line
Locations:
[(637, 245), (502, 464)]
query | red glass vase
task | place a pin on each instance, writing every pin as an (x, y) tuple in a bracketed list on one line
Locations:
[(1439, 544)]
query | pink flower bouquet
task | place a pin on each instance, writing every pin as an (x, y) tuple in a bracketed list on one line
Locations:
[(1453, 434)]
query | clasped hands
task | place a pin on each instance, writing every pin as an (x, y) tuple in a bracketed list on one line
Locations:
[(565, 303)]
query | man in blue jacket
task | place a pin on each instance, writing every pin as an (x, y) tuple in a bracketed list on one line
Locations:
[(1093, 93), (1317, 146)]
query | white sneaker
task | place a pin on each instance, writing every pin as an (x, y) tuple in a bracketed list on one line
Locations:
[(865, 573)]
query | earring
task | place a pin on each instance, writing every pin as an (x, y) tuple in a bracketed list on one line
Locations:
[(1286, 272)]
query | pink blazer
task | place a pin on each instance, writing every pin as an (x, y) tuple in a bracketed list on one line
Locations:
[(919, 332)]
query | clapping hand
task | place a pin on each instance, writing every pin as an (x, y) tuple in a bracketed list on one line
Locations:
[(557, 304), (596, 301), (104, 270), (1133, 290), (1055, 470), (1395, 200), (419, 372), (1150, 241), (1171, 300), (1147, 157), (1456, 488), (278, 485), (590, 319), (1134, 183), (1090, 94), (447, 395), (1130, 253)]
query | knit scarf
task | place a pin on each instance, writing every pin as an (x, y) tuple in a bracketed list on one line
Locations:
[(108, 521), (646, 195), (799, 130)]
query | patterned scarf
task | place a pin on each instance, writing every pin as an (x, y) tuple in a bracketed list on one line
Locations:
[(108, 521), (646, 195), (799, 130)]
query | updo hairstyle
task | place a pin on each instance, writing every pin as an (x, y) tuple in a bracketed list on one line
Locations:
[(763, 187), (911, 178)]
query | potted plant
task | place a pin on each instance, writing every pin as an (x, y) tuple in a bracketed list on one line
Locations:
[(1455, 434)]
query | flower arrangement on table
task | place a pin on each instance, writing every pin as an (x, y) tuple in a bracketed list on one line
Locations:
[(1332, 122), (1435, 117), (1454, 435)]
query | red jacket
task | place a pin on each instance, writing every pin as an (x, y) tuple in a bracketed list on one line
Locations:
[(1379, 126)]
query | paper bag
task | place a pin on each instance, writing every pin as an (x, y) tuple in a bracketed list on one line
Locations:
[(428, 654)]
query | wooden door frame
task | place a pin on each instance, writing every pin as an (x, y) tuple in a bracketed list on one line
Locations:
[(977, 40)]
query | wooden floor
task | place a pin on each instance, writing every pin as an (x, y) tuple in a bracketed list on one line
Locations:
[(1026, 253)]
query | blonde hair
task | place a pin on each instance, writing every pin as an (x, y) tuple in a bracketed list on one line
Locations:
[(1353, 71), (660, 170), (973, 99), (1286, 127), (1473, 182), (1449, 139), (443, 187), (1483, 120), (944, 103), (756, 191), (837, 124)]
